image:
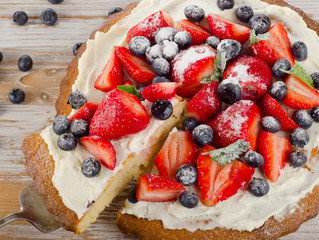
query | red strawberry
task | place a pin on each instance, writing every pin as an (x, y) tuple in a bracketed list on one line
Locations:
[(136, 67), (127, 83), (119, 114), (199, 34), (86, 112), (253, 75), (178, 149), (163, 90), (205, 104), (226, 29), (275, 150), (101, 148), (299, 94), (112, 74), (238, 121), (270, 107), (153, 188), (191, 66), (150, 25), (217, 183)]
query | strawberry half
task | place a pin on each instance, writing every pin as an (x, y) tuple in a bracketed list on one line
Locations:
[(199, 34), (226, 29), (178, 149), (86, 112), (136, 67), (112, 74), (275, 150), (153, 188), (101, 148), (118, 115), (163, 90)]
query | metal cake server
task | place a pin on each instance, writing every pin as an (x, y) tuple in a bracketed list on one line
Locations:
[(33, 210)]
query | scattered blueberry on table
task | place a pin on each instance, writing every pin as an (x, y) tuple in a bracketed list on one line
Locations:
[(20, 18), (25, 63), (49, 17), (55, 1), (1, 57), (16, 95), (76, 48)]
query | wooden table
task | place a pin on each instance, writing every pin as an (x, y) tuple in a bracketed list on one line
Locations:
[(51, 50)]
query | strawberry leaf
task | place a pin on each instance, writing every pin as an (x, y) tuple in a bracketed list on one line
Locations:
[(257, 38), (219, 66), (130, 90), (299, 72)]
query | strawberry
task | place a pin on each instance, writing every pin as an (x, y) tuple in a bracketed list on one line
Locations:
[(153, 188), (112, 74), (205, 104), (275, 150), (191, 66), (136, 67), (252, 74), (199, 34), (238, 121), (299, 94), (86, 112), (119, 114), (150, 26), (226, 29), (217, 183), (101, 148), (270, 107), (179, 149), (127, 83), (163, 90)]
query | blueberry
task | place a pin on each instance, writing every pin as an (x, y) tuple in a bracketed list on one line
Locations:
[(61, 124), (194, 13), (254, 159), (169, 50), (302, 118), (258, 187), (25, 63), (297, 158), (270, 124), (202, 135), (189, 124), (16, 95), (114, 10), (229, 91), (76, 100), (188, 199), (49, 17), (159, 79), (55, 1), (314, 113), (225, 4), (281, 64), (183, 39), (80, 128), (315, 79), (162, 109), (76, 48), (244, 13), (67, 142), (300, 51), (299, 137), (213, 41), (1, 57), (278, 90), (232, 48), (91, 167), (161, 66), (132, 195), (186, 175), (153, 53), (260, 23), (138, 45), (165, 33), (20, 18), (140, 90)]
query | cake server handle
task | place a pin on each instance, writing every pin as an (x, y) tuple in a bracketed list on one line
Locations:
[(11, 218)]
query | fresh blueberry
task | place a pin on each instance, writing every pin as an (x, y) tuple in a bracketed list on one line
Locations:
[(76, 48), (183, 39), (232, 48), (213, 41), (20, 18), (140, 90), (278, 90), (299, 137), (202, 134), (302, 118), (161, 66), (132, 195), (25, 63), (162, 109), (254, 159), (194, 13), (229, 91), (16, 95), (67, 142), (297, 158), (260, 23), (281, 64), (138, 45), (91, 167), (165, 33), (315, 79), (188, 199), (61, 124), (76, 100), (314, 113), (159, 79), (244, 13), (169, 50), (49, 17), (225, 4), (270, 124), (189, 124), (258, 187), (186, 175), (1, 57), (80, 128), (55, 1), (114, 10), (153, 53), (300, 51)]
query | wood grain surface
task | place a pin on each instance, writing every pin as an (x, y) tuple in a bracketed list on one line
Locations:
[(51, 50)]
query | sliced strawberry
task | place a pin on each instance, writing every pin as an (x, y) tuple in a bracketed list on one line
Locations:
[(150, 25), (299, 94), (112, 74), (275, 150), (199, 34), (226, 29), (239, 121), (101, 148), (163, 90), (136, 67), (270, 107), (252, 74), (178, 149), (118, 115), (153, 188), (86, 112), (205, 104), (127, 83), (191, 66)]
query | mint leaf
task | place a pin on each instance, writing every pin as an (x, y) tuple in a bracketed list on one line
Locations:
[(257, 38), (299, 72), (219, 66), (130, 90), (230, 153)]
